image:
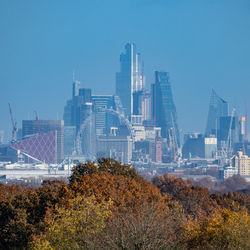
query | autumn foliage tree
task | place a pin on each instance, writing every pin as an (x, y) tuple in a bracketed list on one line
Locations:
[(224, 230), (107, 205), (103, 165), (75, 225), (196, 201), (23, 209)]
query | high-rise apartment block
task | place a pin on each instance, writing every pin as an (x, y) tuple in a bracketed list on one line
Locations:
[(241, 163)]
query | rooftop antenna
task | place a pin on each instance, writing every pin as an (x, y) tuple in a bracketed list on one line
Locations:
[(37, 123), (73, 75)]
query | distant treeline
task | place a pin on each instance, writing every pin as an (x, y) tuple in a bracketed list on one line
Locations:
[(107, 205)]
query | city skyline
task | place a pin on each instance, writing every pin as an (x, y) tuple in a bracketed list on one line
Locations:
[(37, 71)]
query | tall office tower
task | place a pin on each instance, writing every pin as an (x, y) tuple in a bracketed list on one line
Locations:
[(67, 115), (75, 88), (34, 128), (164, 113), (102, 103), (217, 108), (130, 78), (69, 140), (78, 113), (80, 96), (1, 136), (86, 130)]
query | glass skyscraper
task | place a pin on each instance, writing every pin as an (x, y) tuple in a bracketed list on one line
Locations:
[(164, 113), (217, 108), (130, 78)]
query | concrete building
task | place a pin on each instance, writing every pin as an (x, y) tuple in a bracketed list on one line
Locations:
[(241, 163), (117, 147), (242, 129), (158, 149), (210, 144), (196, 145), (227, 172)]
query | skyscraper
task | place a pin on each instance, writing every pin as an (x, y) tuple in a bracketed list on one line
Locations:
[(130, 78), (217, 108), (164, 113), (1, 136), (101, 104)]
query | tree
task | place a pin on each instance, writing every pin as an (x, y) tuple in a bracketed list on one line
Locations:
[(75, 225), (103, 165), (124, 192), (224, 230), (17, 220), (196, 200), (23, 209), (151, 225)]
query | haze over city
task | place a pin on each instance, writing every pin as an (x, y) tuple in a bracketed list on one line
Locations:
[(124, 124), (202, 44)]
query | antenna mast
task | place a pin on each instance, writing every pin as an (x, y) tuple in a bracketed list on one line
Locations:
[(37, 123)]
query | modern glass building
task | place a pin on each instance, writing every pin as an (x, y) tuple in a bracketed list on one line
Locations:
[(42, 147), (164, 113), (69, 140), (1, 136), (130, 78), (102, 103), (217, 108), (32, 128)]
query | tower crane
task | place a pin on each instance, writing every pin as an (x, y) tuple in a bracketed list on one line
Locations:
[(14, 126)]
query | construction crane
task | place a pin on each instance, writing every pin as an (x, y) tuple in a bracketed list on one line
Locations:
[(14, 126), (37, 123)]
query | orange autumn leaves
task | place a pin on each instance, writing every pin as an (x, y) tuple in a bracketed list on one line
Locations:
[(107, 205)]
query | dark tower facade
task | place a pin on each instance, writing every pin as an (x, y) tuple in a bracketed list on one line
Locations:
[(217, 108), (163, 111)]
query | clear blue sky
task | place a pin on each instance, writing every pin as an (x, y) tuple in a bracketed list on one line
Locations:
[(203, 44)]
